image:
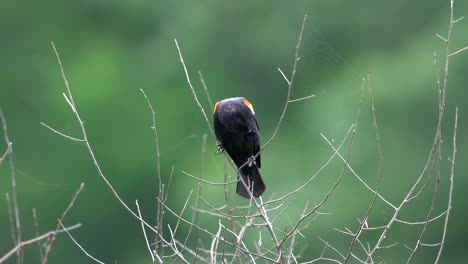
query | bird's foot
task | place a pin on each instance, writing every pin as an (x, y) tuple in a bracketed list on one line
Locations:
[(220, 148), (251, 161)]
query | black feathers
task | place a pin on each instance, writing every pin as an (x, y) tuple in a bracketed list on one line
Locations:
[(237, 132)]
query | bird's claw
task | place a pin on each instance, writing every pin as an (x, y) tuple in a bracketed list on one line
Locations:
[(220, 148), (251, 161)]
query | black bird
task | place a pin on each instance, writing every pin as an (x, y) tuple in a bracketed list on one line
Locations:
[(237, 132)]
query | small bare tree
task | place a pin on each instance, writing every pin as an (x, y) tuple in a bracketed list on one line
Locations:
[(280, 244)]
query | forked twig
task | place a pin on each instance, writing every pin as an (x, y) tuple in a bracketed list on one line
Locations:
[(50, 241), (379, 177), (7, 151), (71, 102), (22, 244), (290, 83), (436, 144)]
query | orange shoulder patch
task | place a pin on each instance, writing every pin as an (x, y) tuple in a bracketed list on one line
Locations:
[(248, 104)]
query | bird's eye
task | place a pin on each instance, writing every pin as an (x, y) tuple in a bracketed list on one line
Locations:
[(248, 104), (216, 106)]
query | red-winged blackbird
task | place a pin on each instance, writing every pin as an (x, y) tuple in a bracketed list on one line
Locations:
[(237, 132)]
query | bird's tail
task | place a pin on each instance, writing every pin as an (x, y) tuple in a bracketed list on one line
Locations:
[(251, 177)]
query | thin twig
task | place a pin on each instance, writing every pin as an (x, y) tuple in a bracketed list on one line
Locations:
[(452, 175), (208, 182), (435, 146), (36, 230), (192, 252), (173, 245), (437, 139), (203, 230), (421, 222), (62, 134), (379, 177), (302, 98), (205, 87), (290, 85), (10, 218), (328, 195), (356, 175), (182, 211), (145, 236), (88, 145), (193, 89), (13, 186), (160, 214), (434, 199), (7, 151), (458, 51), (22, 244), (214, 244), (76, 243), (325, 165), (195, 217), (156, 139), (50, 241)]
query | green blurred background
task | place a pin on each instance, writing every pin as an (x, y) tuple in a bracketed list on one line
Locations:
[(112, 49)]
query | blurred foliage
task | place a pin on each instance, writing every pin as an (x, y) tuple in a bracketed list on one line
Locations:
[(112, 49)]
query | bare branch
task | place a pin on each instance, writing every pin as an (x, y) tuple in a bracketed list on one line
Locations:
[(290, 85), (214, 244), (193, 89), (431, 245), (379, 177), (208, 182), (335, 185), (205, 87), (13, 186), (442, 38), (62, 134), (195, 217), (146, 237), (284, 76), (302, 98), (435, 146), (10, 218), (204, 230), (22, 244), (331, 247), (50, 241), (7, 151), (88, 145), (452, 175), (36, 230), (156, 139), (336, 152), (356, 175), (458, 51), (174, 246), (182, 211), (76, 243), (160, 213), (422, 222)]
